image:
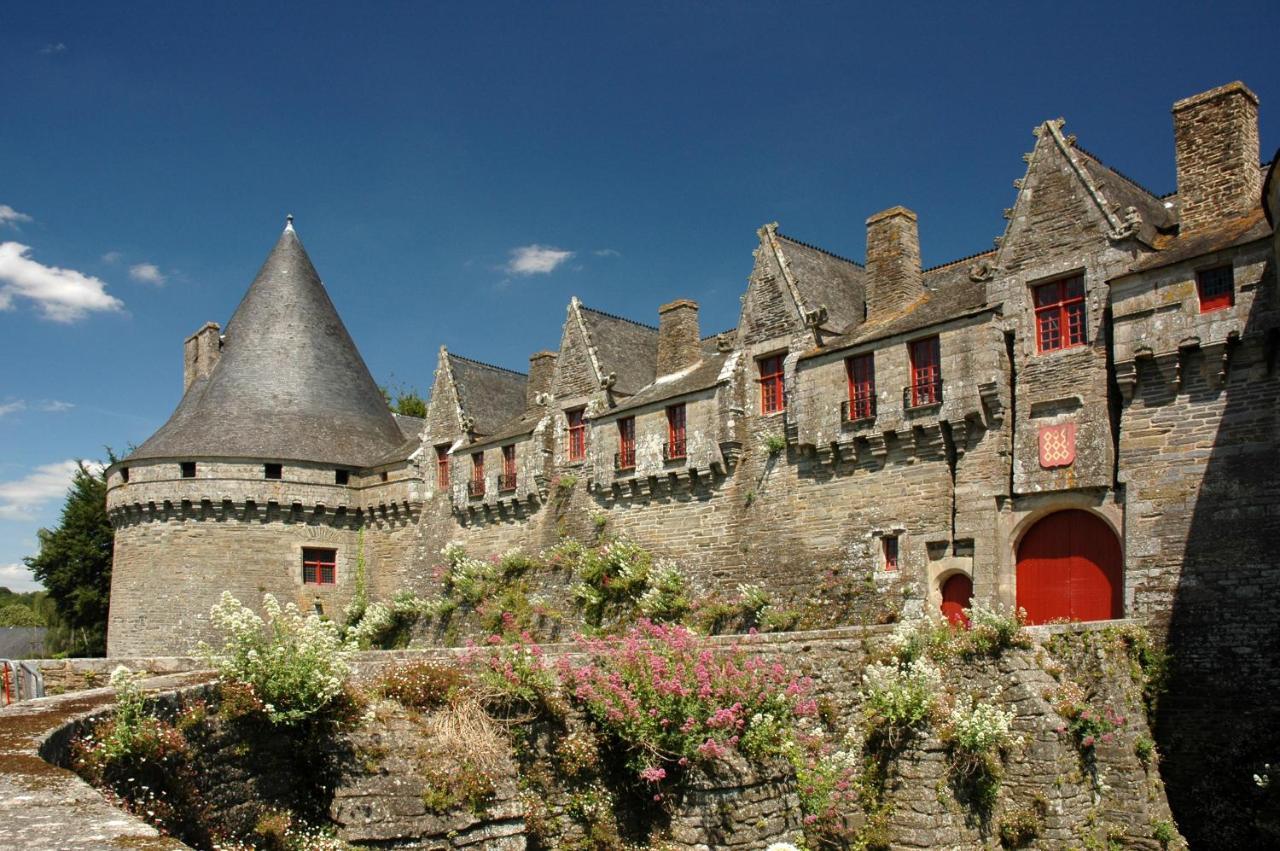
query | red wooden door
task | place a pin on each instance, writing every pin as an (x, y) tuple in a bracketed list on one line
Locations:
[(1070, 567), (957, 595)]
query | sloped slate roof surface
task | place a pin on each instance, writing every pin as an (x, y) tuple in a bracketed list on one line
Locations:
[(705, 374), (1225, 234), (826, 279), (490, 395), (625, 348), (290, 383)]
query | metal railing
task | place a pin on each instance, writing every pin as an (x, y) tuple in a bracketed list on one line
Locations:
[(675, 450), (624, 462), (475, 488), (506, 482), (860, 407), (922, 395)]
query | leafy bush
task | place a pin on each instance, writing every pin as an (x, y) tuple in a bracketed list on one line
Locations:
[(1021, 826), (295, 664), (1086, 724), (386, 625), (421, 685), (978, 734), (993, 630), (900, 698), (774, 444), (669, 701), (510, 674)]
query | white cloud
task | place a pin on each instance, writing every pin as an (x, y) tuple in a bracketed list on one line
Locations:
[(607, 252), (147, 273), (11, 217), (21, 498), (111, 258), (58, 47), (64, 295), (7, 408), (17, 577), (536, 259), (54, 406)]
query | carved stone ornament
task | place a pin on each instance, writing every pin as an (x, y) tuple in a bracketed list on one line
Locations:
[(1128, 226), (1057, 445), (608, 381), (981, 271)]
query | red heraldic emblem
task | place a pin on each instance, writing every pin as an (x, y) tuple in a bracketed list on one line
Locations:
[(1057, 445)]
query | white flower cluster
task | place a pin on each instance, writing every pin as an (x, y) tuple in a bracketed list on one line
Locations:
[(901, 695), (754, 598), (295, 663), (665, 591), (980, 727)]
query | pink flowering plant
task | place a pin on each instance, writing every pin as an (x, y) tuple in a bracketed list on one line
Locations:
[(510, 673), (669, 700), (1088, 725)]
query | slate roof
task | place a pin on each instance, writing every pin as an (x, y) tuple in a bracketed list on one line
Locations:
[(626, 348), (289, 385), (489, 394), (705, 374), (1123, 192), (1176, 248), (826, 279), (518, 427), (949, 294), (410, 427)]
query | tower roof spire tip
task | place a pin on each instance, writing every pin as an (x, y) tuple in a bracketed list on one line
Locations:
[(288, 222)]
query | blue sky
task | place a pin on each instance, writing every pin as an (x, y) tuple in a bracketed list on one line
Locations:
[(458, 171)]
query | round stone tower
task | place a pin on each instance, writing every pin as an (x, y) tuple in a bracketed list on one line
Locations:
[(263, 480)]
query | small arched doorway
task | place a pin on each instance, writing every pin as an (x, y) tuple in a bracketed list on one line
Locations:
[(1070, 567), (957, 595)]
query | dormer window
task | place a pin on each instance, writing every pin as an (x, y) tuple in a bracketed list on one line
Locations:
[(861, 373), (507, 480), (577, 433), (926, 372), (188, 469), (442, 466), (1216, 288), (273, 471), (772, 385), (1060, 314), (475, 487), (626, 444), (677, 447)]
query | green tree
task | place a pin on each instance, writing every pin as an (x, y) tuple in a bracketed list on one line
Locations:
[(16, 614), (405, 400), (74, 563)]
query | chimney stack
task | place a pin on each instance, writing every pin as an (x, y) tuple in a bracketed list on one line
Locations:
[(894, 279), (679, 345), (200, 353), (1215, 136), (542, 368)]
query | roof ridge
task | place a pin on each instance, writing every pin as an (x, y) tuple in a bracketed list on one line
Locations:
[(820, 250), (617, 317), (494, 367), (958, 260), (717, 334), (1117, 172)]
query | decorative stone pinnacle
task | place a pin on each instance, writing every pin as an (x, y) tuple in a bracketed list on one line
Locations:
[(288, 222)]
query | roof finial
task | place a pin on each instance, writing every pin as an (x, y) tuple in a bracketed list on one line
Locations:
[(288, 222)]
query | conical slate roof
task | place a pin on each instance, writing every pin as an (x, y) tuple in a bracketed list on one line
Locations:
[(289, 385)]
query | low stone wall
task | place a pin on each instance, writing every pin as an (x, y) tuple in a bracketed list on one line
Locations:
[(1078, 798)]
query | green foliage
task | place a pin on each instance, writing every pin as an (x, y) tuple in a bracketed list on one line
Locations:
[(405, 401), (978, 735), (993, 630), (1144, 747), (1163, 831), (295, 664), (74, 564), (774, 444), (16, 614)]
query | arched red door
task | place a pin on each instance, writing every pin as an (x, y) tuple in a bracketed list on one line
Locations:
[(1070, 567), (957, 595)]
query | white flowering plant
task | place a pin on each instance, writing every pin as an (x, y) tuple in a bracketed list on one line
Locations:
[(295, 664), (979, 731), (899, 698)]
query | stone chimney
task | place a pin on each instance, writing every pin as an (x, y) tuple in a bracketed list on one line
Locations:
[(894, 279), (200, 353), (1215, 136), (678, 343), (542, 368)]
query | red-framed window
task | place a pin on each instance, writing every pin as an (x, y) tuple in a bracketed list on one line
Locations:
[(577, 434), (676, 445), (319, 567), (508, 479), (626, 443), (1216, 288), (861, 371), (1060, 314), (926, 372), (476, 486), (773, 396), (889, 545), (442, 466)]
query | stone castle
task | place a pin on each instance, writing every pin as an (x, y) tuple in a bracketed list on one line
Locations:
[(1082, 421)]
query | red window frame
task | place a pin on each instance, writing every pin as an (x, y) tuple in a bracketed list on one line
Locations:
[(861, 372), (677, 446), (319, 566), (1060, 314), (442, 466), (1216, 288), (577, 433), (477, 474), (627, 443), (508, 482), (889, 545), (926, 371), (773, 396)]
